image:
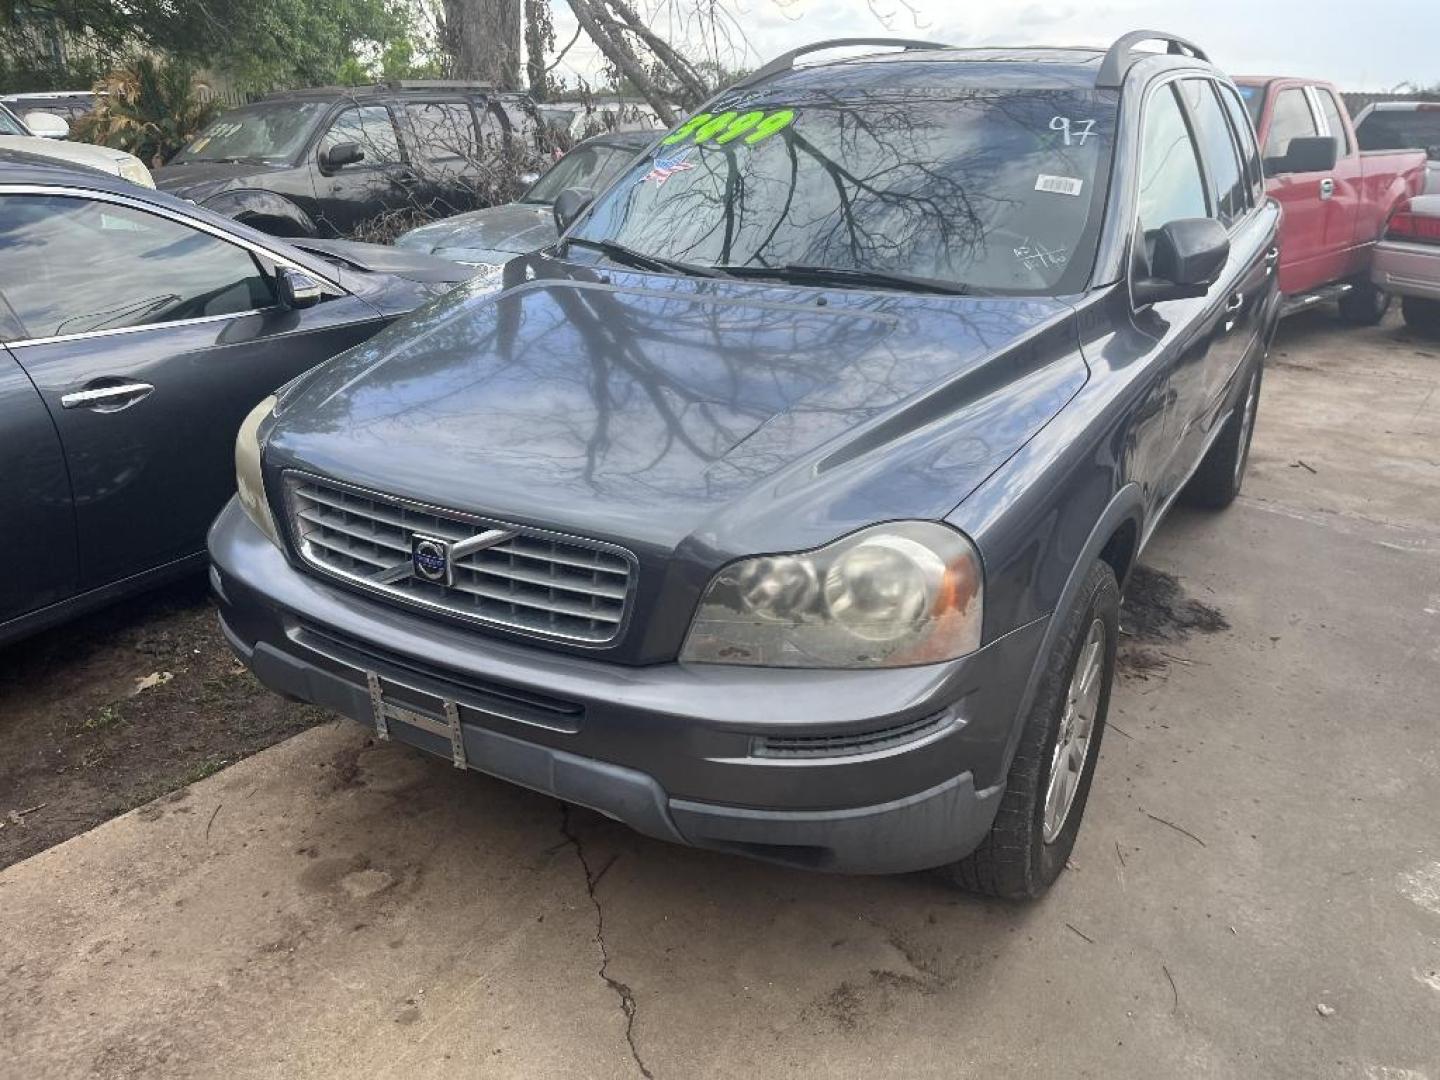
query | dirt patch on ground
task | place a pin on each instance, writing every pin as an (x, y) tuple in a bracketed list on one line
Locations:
[(1157, 613), (119, 708)]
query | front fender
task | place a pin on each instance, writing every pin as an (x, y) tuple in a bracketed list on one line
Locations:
[(262, 210)]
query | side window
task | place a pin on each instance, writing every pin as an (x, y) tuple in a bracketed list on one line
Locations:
[(1222, 162), (492, 127), (371, 127), (70, 265), (522, 122), (1249, 150), (1290, 119), (444, 130), (1171, 186), (1334, 120)]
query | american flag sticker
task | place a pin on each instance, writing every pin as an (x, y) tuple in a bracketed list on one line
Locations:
[(667, 166), (1060, 185)]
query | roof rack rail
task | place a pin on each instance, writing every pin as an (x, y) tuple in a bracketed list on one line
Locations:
[(1121, 55), (440, 84), (786, 61)]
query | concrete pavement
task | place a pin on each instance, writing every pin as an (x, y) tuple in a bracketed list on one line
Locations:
[(1263, 839)]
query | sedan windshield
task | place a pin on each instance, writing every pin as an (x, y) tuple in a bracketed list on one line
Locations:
[(589, 167), (987, 189), (272, 132)]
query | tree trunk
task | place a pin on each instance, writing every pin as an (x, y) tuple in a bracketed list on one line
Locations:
[(483, 40), (692, 88), (597, 25)]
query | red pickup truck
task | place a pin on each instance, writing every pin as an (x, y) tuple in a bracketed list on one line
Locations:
[(1336, 197)]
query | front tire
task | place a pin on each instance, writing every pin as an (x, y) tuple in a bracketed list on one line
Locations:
[(1421, 315), (1365, 304), (1217, 481), (1049, 780)]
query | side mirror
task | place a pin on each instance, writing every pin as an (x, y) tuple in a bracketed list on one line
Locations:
[(342, 154), (47, 125), (297, 290), (1310, 153), (569, 205), (1189, 256)]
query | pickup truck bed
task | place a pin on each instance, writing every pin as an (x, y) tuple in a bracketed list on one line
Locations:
[(1333, 216)]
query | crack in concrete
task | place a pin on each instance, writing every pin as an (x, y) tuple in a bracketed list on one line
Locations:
[(623, 992)]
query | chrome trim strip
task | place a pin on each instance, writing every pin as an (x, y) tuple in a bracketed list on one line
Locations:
[(81, 398)]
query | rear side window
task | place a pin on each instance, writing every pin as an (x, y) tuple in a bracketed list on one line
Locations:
[(1291, 119), (1223, 163), (445, 131), (1334, 119), (371, 127), (71, 265), (1249, 149), (1396, 129), (1171, 187)]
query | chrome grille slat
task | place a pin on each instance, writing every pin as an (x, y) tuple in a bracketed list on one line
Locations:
[(552, 586)]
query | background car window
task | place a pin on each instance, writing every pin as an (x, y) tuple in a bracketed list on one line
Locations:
[(590, 167), (1394, 129), (1222, 162), (492, 126), (9, 124), (372, 128), (523, 123), (1171, 187), (1249, 149), (264, 132), (71, 265), (1334, 119), (1290, 119), (444, 130)]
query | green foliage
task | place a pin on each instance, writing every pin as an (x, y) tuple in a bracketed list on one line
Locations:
[(150, 109)]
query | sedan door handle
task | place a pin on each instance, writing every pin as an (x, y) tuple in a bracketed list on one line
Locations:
[(107, 398)]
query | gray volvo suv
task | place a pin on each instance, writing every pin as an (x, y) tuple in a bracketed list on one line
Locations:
[(783, 506)]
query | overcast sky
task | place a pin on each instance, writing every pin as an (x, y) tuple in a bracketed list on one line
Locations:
[(1374, 45)]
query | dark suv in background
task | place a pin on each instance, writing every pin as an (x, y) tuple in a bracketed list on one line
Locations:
[(783, 507), (323, 162)]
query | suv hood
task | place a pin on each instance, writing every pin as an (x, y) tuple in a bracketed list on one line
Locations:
[(491, 235), (199, 180), (652, 410)]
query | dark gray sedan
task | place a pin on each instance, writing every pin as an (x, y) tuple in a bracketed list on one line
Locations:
[(136, 331), (484, 239)]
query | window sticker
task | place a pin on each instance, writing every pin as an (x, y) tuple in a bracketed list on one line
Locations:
[(667, 165), (1060, 185), (1076, 132), (752, 127), (1035, 256)]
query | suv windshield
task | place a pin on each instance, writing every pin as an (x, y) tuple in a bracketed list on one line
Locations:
[(991, 189), (272, 132), (1400, 129), (589, 167)]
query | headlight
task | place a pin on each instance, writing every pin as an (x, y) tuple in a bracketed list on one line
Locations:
[(131, 169), (890, 596), (249, 481)]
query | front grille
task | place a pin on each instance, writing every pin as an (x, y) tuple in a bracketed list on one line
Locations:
[(534, 582), (866, 742)]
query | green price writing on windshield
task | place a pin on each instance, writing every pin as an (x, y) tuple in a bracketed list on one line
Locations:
[(726, 127)]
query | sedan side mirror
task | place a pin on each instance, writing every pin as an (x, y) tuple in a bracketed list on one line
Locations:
[(47, 125), (1189, 256), (1307, 154), (297, 290), (342, 154), (569, 205)]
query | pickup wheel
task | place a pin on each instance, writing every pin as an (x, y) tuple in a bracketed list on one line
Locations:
[(1217, 481), (1421, 315), (1050, 777), (1364, 304)]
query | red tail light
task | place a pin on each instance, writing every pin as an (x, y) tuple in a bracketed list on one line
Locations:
[(1405, 224)]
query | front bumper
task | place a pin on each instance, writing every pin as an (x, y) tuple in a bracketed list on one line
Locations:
[(1407, 269), (856, 771)]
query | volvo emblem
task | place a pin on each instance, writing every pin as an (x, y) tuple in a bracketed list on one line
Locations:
[(430, 558)]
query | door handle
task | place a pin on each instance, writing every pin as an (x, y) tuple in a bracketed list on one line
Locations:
[(1272, 259), (108, 398), (1233, 307), (1327, 188)]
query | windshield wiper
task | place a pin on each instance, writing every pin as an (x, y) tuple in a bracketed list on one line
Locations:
[(620, 253), (838, 275)]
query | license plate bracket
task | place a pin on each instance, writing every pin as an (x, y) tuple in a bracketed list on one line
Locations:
[(383, 712)]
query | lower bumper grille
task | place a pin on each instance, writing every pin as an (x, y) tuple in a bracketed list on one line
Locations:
[(528, 580), (868, 742)]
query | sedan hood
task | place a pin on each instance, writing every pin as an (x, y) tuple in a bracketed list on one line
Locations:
[(654, 411), (483, 236)]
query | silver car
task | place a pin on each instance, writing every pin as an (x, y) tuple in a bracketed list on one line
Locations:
[(1403, 125), (1407, 262), (489, 238)]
